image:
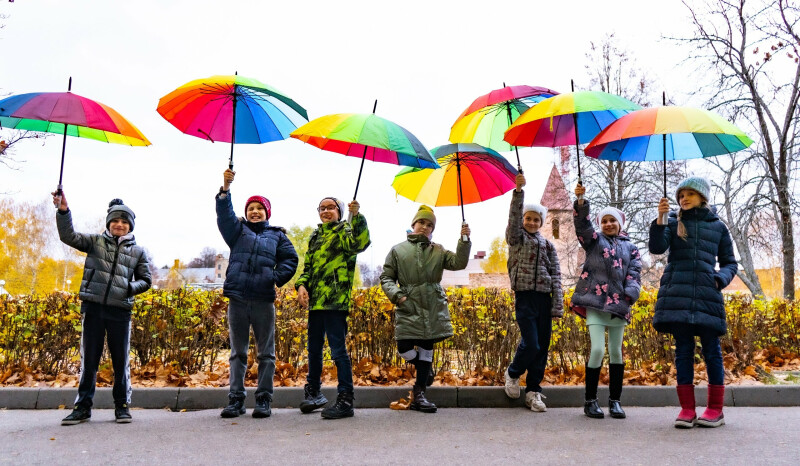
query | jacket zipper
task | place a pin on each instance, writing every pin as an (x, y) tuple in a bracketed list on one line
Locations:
[(536, 269), (113, 272), (694, 269)]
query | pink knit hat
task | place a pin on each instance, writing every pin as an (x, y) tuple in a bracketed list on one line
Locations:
[(261, 200)]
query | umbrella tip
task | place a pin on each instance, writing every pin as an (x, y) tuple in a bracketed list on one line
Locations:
[(69, 86)]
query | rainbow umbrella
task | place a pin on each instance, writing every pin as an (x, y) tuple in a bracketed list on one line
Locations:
[(485, 121), (70, 115), (469, 173), (667, 133), (367, 136), (566, 119), (232, 109)]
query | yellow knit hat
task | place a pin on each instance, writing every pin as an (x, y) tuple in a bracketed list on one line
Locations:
[(426, 213)]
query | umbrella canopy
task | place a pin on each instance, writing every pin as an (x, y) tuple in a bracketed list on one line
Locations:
[(570, 118), (232, 109), (690, 133), (667, 133), (485, 121), (552, 122), (469, 173), (53, 112), (68, 114), (367, 136)]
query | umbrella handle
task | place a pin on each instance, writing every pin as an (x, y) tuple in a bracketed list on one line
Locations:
[(57, 199), (664, 218), (349, 217), (464, 238), (580, 183)]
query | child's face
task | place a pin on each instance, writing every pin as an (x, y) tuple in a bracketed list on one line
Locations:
[(531, 222), (609, 225), (256, 212), (423, 227), (328, 211), (119, 227), (689, 199)]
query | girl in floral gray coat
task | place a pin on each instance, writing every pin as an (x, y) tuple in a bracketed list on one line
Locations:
[(608, 285)]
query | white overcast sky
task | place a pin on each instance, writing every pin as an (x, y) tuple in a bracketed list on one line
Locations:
[(424, 61)]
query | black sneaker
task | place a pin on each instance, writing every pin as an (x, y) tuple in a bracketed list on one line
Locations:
[(262, 408), (235, 407), (342, 408), (122, 414), (78, 415), (313, 399)]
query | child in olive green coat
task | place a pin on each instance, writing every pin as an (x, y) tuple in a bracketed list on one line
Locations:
[(411, 279)]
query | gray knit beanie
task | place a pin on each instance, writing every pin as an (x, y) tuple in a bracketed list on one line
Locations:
[(695, 183)]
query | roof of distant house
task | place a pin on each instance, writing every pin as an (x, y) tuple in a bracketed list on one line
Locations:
[(556, 196)]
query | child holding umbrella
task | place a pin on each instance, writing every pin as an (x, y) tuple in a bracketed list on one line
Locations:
[(324, 288), (535, 276), (116, 270), (608, 285), (690, 302), (411, 279), (261, 258)]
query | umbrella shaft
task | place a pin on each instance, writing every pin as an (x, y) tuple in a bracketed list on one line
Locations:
[(358, 182), (233, 129), (63, 149)]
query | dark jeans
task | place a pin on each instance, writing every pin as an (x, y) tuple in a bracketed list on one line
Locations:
[(684, 356), (333, 324), (535, 326), (261, 316), (96, 329)]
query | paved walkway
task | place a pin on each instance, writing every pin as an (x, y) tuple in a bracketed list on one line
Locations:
[(382, 436)]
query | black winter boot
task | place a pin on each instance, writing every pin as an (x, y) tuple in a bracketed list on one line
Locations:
[(262, 408), (419, 402), (313, 399), (342, 408), (616, 373), (235, 407), (590, 407)]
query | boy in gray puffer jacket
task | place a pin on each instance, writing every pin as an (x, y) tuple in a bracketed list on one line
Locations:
[(115, 271), (535, 275)]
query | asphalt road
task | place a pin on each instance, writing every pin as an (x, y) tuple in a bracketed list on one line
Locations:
[(382, 436)]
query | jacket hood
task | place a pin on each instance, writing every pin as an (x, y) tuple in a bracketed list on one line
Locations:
[(418, 238)]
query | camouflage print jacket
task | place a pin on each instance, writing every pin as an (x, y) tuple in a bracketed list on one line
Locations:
[(330, 263)]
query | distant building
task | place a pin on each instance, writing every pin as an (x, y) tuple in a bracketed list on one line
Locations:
[(460, 278), (220, 267), (560, 229), (176, 277)]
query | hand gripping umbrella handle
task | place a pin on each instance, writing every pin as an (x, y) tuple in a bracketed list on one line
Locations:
[(464, 238), (580, 183), (57, 198), (664, 218)]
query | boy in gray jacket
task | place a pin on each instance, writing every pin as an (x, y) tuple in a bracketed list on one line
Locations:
[(535, 275), (114, 272)]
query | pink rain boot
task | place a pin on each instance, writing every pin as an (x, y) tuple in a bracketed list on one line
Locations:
[(712, 416), (687, 417)]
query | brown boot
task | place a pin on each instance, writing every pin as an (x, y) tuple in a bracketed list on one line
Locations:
[(420, 403)]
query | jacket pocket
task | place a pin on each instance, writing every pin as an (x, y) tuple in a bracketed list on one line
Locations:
[(88, 274)]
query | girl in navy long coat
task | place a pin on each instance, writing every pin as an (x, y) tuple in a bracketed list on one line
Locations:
[(690, 302)]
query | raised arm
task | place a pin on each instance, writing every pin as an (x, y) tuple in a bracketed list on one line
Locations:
[(660, 235), (80, 241)]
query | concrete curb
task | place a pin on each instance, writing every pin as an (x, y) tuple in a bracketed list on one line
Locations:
[(380, 397)]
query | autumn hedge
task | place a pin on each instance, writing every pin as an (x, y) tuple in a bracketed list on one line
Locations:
[(186, 330)]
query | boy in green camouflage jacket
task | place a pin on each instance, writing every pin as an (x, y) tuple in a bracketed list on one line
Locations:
[(324, 288)]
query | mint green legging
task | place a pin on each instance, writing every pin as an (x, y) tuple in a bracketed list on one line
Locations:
[(598, 335)]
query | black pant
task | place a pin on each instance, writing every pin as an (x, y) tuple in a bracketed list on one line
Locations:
[(333, 324), (96, 327), (535, 326)]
